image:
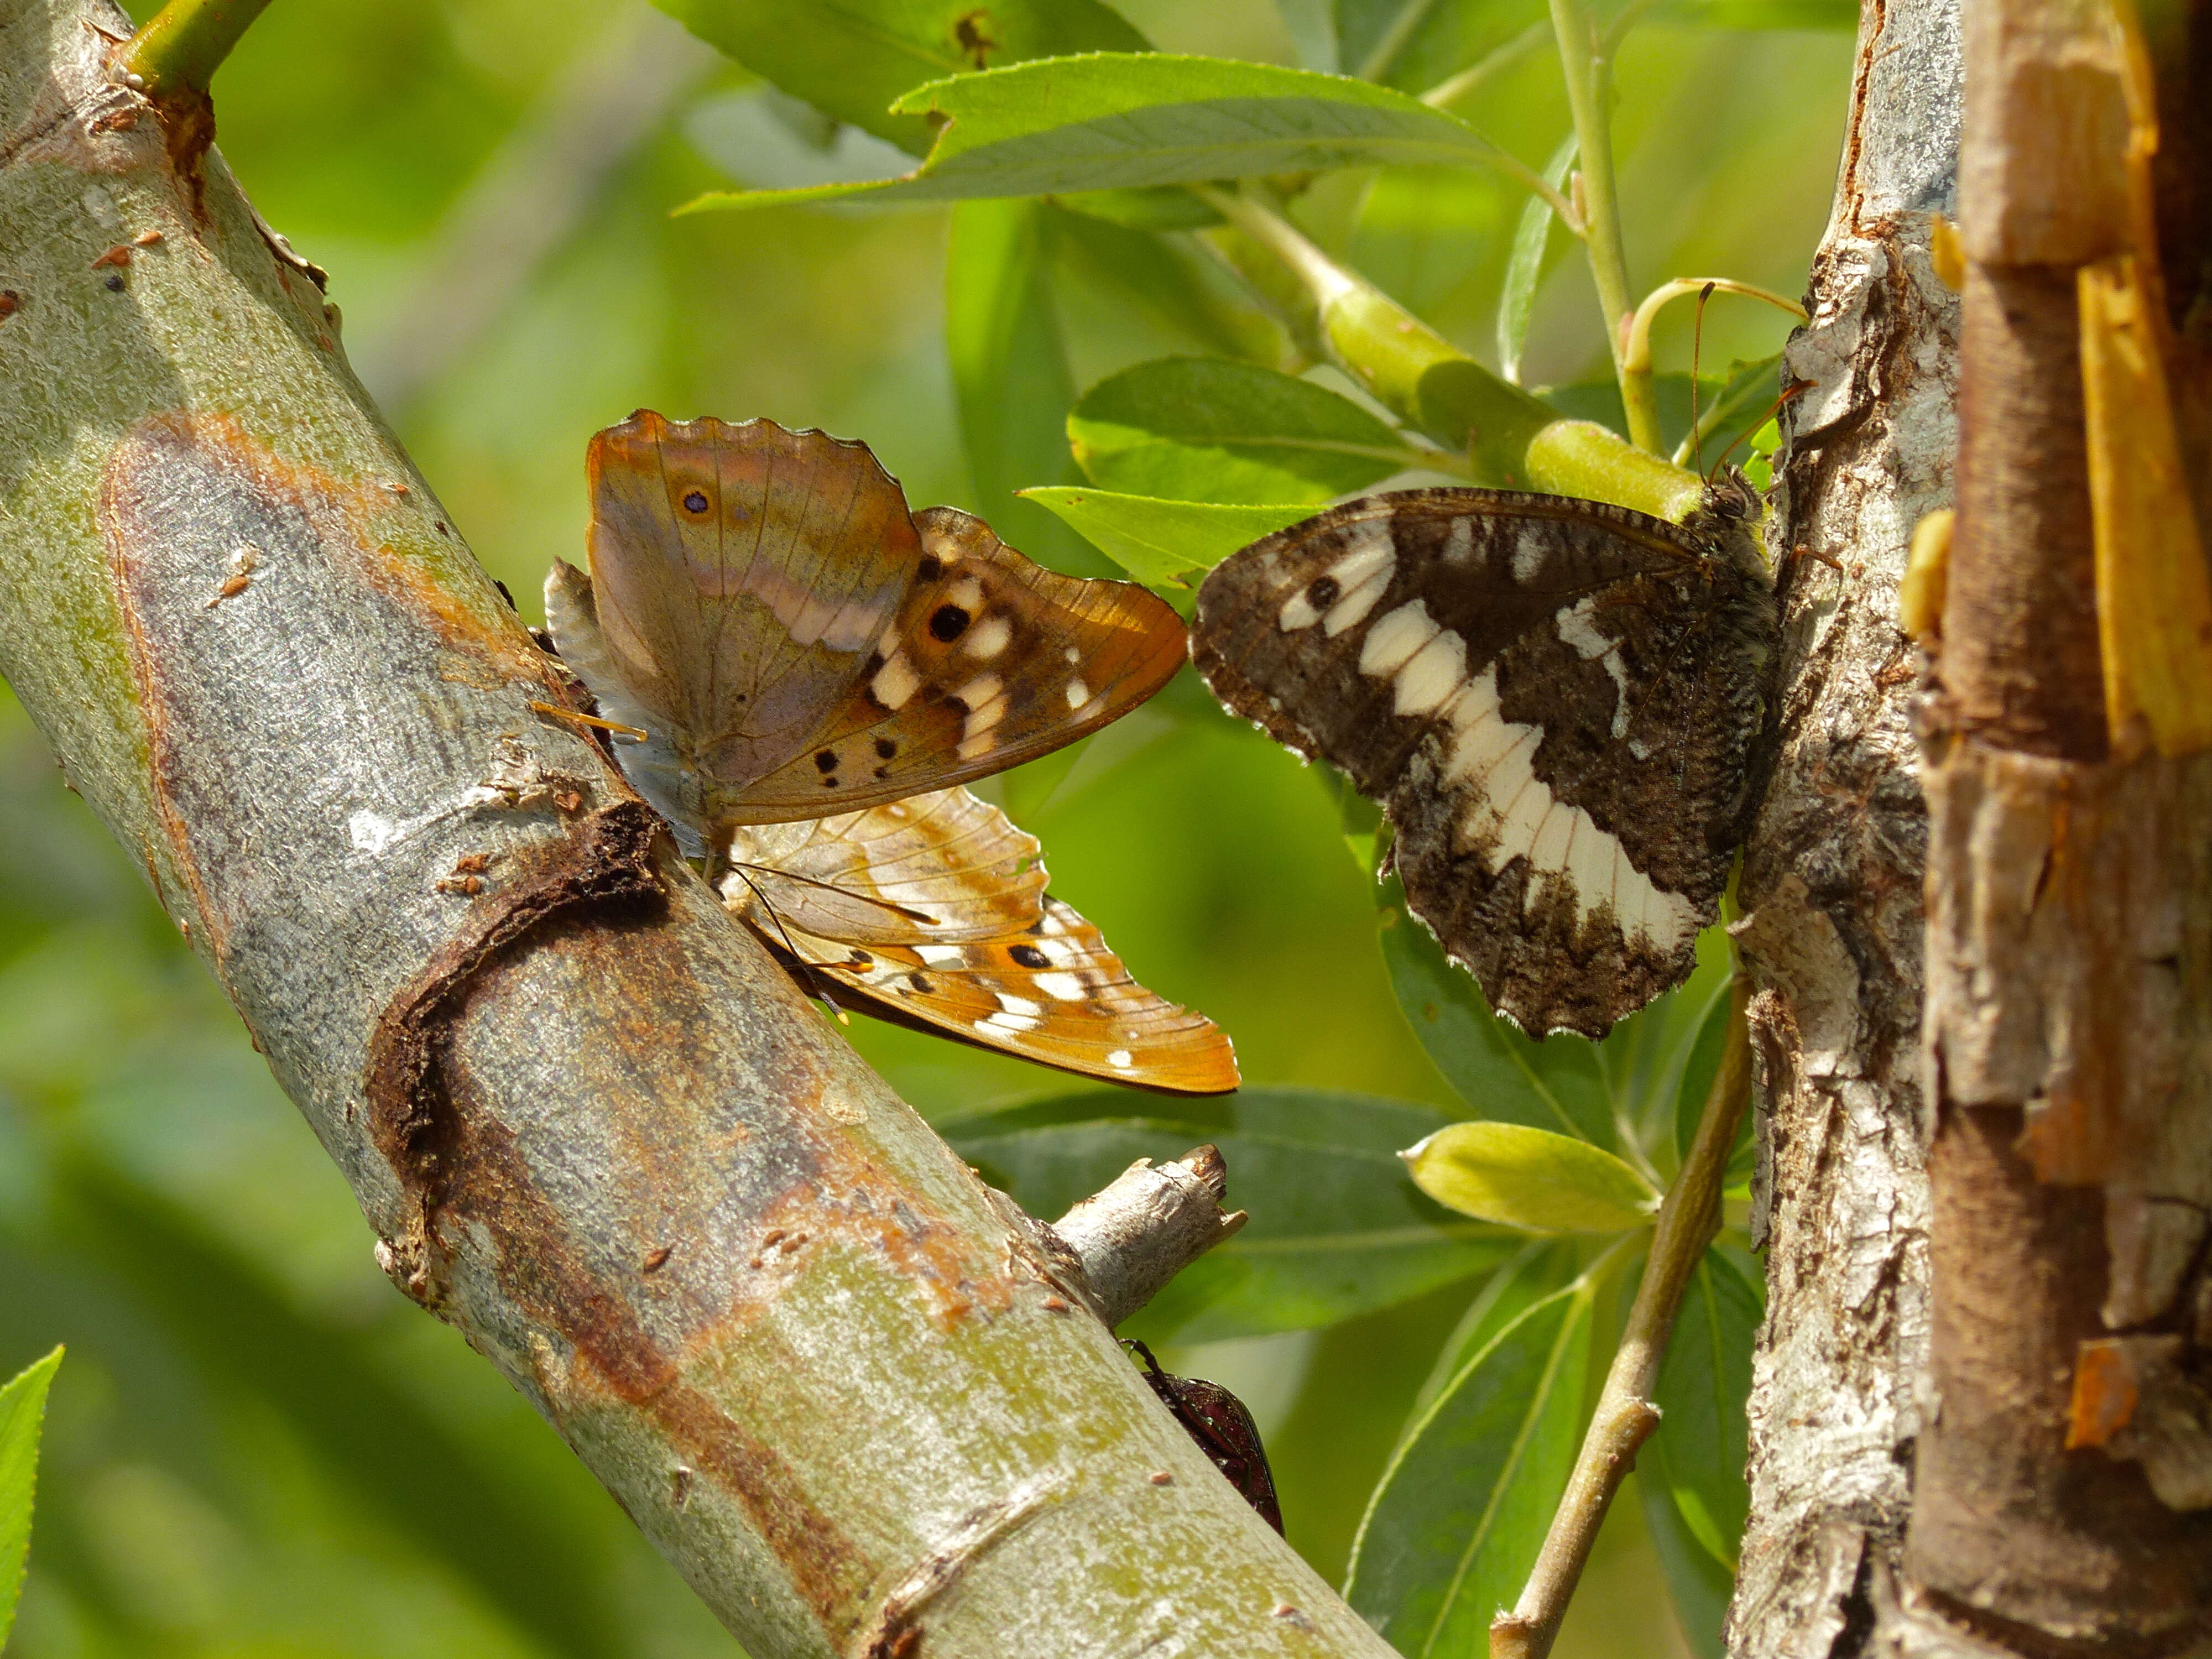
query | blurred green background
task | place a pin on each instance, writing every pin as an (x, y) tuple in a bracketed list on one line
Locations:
[(256, 1447)]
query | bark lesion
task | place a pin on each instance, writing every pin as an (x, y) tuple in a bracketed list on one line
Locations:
[(607, 857)]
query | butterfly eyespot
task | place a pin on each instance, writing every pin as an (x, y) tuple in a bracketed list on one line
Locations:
[(1029, 957), (825, 760), (1322, 593), (930, 568), (861, 959), (921, 983), (885, 748), (947, 622), (694, 503)]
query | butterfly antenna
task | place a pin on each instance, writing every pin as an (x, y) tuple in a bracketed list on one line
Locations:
[(1697, 345), (902, 911), (582, 719), (1794, 389), (820, 986)]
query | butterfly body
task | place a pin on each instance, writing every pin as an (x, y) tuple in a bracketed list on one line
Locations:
[(1555, 703), (816, 671)]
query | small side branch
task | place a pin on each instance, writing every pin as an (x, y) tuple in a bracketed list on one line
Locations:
[(180, 48), (1132, 1236), (1626, 1415)]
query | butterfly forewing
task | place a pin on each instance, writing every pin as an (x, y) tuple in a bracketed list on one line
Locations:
[(803, 643), (991, 661), (1554, 700), (743, 574)]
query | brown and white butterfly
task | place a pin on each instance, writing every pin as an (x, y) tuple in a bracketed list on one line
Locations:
[(816, 669), (1554, 700)]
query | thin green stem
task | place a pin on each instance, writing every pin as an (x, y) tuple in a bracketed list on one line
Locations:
[(1587, 76), (1410, 17), (1626, 1415), (1492, 63), (1485, 422), (1636, 354), (179, 50)]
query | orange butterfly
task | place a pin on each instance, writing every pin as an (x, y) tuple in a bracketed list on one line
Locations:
[(793, 641)]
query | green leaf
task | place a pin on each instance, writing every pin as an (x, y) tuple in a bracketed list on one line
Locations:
[(1531, 1179), (1698, 1585), (1359, 820), (1205, 428), (1162, 207), (1128, 121), (1162, 542), (853, 58), (1537, 1270), (1163, 279), (1337, 1227), (1699, 1454), (1010, 371), (1524, 269), (22, 1411), (1459, 1516)]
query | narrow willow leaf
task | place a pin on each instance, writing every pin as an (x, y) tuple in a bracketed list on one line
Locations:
[(22, 1411), (852, 59), (1531, 1179), (1162, 207), (1163, 279), (1159, 542), (1010, 371), (1358, 818), (1337, 1227), (1115, 120), (1460, 1514), (1537, 1270), (1699, 1454), (1556, 1085), (1699, 1586), (1207, 428), (1524, 268)]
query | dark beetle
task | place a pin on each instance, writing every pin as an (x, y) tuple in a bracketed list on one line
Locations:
[(1225, 1430)]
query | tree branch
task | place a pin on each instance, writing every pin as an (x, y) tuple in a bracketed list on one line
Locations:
[(589, 1122), (1831, 880), (1626, 1415)]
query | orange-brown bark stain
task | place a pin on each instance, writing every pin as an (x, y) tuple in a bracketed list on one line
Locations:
[(349, 519)]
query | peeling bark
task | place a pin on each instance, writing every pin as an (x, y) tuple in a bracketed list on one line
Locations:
[(591, 1124), (1831, 876), (2069, 1020)]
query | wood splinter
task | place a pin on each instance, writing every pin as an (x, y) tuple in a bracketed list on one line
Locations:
[(1135, 1234)]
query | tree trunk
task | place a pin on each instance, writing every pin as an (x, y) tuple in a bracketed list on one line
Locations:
[(591, 1123), (1832, 881)]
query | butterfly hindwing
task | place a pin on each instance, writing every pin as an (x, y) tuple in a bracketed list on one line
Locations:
[(967, 953), (772, 610), (1554, 700), (941, 868)]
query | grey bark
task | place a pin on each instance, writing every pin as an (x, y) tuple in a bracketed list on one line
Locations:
[(1832, 876), (589, 1122)]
